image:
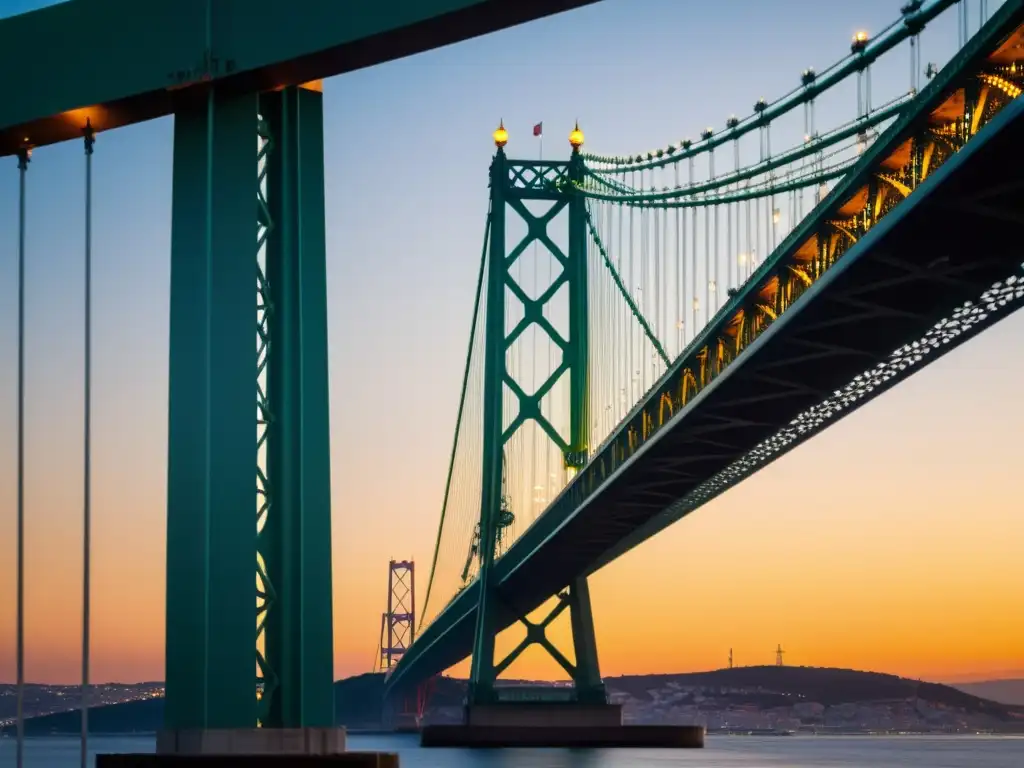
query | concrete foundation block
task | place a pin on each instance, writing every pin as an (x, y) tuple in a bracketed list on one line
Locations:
[(544, 715), (252, 741)]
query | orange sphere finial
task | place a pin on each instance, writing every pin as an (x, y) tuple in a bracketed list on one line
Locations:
[(500, 135), (576, 137)]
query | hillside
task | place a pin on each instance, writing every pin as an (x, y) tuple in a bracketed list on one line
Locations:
[(358, 699), (1003, 691), (826, 686), (357, 704)]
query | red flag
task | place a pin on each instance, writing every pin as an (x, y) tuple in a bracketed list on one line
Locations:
[(538, 129)]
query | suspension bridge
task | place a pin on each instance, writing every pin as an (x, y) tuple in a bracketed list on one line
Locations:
[(691, 323), (648, 330)]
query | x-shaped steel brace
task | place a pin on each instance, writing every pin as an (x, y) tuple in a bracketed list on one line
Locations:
[(536, 634)]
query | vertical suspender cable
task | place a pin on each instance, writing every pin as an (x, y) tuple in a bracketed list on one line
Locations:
[(90, 139), (23, 159)]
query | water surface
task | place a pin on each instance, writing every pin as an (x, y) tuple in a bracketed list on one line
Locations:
[(720, 752)]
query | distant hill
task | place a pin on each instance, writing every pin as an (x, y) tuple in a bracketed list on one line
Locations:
[(142, 716), (358, 699), (821, 684), (41, 698), (357, 705), (1003, 691)]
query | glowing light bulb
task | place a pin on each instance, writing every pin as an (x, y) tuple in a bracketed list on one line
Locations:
[(576, 137), (500, 135)]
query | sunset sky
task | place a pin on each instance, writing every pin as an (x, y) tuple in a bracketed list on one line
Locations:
[(892, 542)]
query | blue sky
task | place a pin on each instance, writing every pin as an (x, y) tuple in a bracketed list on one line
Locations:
[(407, 150)]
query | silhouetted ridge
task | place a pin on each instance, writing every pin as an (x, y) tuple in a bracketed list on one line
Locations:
[(824, 685), (358, 699)]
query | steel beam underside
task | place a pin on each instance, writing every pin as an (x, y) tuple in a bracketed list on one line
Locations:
[(119, 62), (890, 269), (212, 455)]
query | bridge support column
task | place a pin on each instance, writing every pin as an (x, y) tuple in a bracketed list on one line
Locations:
[(482, 673), (587, 676), (505, 195), (296, 540), (243, 651), (211, 451)]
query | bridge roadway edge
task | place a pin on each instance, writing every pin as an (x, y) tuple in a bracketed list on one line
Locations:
[(97, 72), (1003, 131), (675, 512)]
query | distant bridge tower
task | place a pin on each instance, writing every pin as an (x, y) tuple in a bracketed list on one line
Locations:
[(778, 655), (398, 624)]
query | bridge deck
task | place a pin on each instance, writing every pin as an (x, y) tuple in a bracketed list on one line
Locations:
[(908, 273), (81, 59)]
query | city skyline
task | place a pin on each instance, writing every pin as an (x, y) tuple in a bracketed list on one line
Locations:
[(887, 543)]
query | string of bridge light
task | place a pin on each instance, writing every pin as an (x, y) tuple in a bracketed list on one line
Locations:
[(790, 179), (864, 50), (812, 145), (618, 185)]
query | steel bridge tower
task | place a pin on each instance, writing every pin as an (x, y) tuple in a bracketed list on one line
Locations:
[(233, 273), (398, 624), (511, 183)]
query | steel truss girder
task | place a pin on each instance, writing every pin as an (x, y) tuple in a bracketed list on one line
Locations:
[(267, 680), (967, 321)]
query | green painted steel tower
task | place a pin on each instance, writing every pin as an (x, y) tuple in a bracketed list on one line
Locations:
[(512, 183), (249, 622)]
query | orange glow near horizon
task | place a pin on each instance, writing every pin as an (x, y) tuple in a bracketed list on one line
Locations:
[(898, 554), (891, 542)]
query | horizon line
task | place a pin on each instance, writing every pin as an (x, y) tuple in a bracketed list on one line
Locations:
[(1001, 676)]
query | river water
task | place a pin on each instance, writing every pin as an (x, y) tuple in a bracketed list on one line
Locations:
[(720, 752)]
